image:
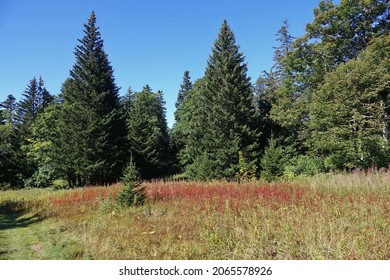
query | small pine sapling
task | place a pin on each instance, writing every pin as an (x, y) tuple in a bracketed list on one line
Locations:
[(132, 194)]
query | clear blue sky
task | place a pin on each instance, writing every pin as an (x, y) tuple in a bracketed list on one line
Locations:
[(148, 42)]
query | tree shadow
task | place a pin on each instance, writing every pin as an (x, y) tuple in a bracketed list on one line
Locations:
[(12, 216)]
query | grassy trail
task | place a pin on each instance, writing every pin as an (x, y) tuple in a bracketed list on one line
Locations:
[(29, 237), (21, 236)]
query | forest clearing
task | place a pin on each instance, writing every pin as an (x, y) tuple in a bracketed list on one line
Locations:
[(288, 162), (335, 216)]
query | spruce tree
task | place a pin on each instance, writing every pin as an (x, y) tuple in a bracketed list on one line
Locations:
[(228, 118), (44, 96), (185, 87), (177, 136), (34, 100), (28, 106), (8, 111), (279, 115), (285, 40), (265, 94), (132, 193), (10, 155), (269, 85), (148, 133), (188, 131), (91, 113), (275, 159)]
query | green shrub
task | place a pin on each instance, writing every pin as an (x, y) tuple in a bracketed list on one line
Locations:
[(180, 177), (247, 170), (42, 178), (60, 184), (306, 165), (5, 186), (289, 173)]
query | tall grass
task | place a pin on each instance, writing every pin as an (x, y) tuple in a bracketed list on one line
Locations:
[(369, 180), (332, 216)]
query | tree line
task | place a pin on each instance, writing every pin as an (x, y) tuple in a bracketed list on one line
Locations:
[(324, 105)]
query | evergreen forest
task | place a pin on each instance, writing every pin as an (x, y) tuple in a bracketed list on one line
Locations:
[(323, 106)]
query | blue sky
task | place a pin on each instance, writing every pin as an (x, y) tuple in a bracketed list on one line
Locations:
[(148, 42)]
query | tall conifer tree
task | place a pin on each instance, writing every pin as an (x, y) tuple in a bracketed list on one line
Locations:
[(8, 111), (34, 100), (178, 135), (185, 87), (10, 156), (268, 86), (91, 113), (148, 132), (28, 106), (285, 40), (228, 116)]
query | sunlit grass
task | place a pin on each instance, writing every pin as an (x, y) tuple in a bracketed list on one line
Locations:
[(337, 216)]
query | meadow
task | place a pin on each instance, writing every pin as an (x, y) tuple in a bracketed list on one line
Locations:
[(329, 216)]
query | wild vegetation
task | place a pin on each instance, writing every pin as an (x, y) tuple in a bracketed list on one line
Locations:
[(325, 102), (339, 216), (274, 168)]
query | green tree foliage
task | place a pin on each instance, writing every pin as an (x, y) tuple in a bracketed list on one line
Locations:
[(275, 159), (285, 40), (46, 149), (28, 106), (34, 100), (177, 134), (350, 110), (337, 34), (326, 100), (44, 96), (268, 85), (91, 115), (132, 194), (148, 132), (185, 87), (10, 156), (8, 110), (226, 119), (188, 131)]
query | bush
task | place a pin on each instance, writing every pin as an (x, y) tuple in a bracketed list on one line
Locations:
[(180, 177), (42, 178), (132, 194), (5, 186), (305, 165), (247, 170), (60, 184)]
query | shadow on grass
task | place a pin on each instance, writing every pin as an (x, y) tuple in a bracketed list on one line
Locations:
[(11, 216)]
